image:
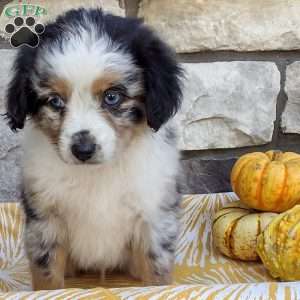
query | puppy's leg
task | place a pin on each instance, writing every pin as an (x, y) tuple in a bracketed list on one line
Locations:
[(48, 272), (44, 240), (153, 248), (151, 262), (70, 270)]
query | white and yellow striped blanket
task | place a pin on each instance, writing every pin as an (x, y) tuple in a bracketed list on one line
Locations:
[(201, 272)]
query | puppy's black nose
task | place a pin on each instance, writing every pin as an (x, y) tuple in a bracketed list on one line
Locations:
[(83, 145)]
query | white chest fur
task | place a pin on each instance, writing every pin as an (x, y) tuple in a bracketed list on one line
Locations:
[(100, 205), (100, 213)]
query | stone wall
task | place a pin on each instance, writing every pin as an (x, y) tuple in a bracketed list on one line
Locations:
[(242, 88), (242, 92)]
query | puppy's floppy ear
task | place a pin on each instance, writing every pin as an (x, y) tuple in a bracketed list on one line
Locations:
[(162, 77), (21, 99)]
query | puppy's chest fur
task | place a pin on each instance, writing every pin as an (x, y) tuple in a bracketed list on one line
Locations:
[(100, 215), (103, 208)]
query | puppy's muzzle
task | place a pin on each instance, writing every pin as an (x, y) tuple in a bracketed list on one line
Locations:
[(83, 145)]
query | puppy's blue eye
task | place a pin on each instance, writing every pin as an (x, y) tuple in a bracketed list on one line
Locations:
[(112, 97), (56, 102)]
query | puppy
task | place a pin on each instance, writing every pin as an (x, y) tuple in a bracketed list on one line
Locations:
[(100, 161)]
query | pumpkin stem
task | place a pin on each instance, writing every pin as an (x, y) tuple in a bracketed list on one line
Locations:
[(277, 155)]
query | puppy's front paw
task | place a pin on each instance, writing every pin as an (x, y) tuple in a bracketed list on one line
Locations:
[(158, 279), (152, 269), (48, 272)]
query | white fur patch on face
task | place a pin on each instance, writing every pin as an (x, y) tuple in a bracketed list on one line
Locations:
[(83, 115), (80, 60)]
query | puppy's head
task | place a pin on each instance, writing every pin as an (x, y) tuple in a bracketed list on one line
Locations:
[(94, 82)]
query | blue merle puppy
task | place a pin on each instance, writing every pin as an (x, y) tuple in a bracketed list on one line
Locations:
[(100, 160)]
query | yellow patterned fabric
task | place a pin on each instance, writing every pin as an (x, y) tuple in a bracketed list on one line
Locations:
[(201, 272)]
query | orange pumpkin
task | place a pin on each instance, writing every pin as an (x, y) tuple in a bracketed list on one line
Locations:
[(267, 181)]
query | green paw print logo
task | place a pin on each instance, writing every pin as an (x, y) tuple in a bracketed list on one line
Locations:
[(24, 32)]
